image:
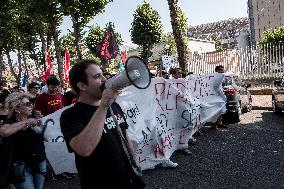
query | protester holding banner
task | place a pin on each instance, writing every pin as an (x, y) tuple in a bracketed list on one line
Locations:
[(219, 122), (28, 146), (90, 131), (47, 103)]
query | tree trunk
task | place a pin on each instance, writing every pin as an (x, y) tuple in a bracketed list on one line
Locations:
[(77, 35), (43, 42), (11, 66), (57, 51), (18, 79), (2, 66), (178, 35), (25, 65)]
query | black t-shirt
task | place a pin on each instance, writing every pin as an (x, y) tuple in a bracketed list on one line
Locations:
[(28, 146), (107, 166), (3, 119), (70, 98)]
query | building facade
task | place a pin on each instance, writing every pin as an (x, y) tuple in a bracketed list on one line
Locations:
[(224, 32), (264, 15)]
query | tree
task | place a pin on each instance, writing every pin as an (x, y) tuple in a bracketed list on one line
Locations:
[(178, 34), (55, 17), (170, 48), (37, 11), (81, 12), (273, 42), (7, 33), (217, 40), (169, 38), (67, 41), (17, 35), (95, 36), (146, 29), (273, 36)]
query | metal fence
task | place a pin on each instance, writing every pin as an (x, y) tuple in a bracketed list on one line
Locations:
[(254, 62)]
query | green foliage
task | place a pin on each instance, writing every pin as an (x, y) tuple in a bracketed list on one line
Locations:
[(67, 41), (81, 12), (96, 35), (169, 38), (218, 45), (171, 48), (146, 28), (182, 19), (111, 68), (83, 9), (17, 29), (272, 42), (6, 30), (273, 36)]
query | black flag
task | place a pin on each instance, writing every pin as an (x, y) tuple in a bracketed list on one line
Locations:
[(108, 48)]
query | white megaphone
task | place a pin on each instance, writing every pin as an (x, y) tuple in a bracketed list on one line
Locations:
[(136, 73)]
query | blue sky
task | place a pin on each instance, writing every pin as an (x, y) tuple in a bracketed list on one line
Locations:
[(197, 11)]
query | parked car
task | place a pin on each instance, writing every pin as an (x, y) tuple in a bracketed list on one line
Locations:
[(278, 96), (238, 98)]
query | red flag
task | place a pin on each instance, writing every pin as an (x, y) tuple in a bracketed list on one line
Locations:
[(123, 57), (49, 66), (67, 64)]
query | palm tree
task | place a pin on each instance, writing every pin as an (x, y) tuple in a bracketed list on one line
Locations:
[(178, 34)]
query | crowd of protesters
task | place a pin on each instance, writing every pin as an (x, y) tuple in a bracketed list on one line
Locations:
[(23, 161)]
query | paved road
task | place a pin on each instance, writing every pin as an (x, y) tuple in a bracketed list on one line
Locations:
[(246, 155)]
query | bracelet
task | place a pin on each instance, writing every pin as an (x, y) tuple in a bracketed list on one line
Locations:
[(27, 125)]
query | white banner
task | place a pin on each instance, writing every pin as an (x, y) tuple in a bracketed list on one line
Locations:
[(55, 147), (164, 116), (161, 118)]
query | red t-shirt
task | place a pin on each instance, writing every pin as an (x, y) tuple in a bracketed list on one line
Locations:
[(47, 103)]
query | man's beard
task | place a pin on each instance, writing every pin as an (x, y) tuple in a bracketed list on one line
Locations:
[(98, 94)]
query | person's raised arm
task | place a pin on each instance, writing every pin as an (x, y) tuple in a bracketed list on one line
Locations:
[(85, 142), (7, 130)]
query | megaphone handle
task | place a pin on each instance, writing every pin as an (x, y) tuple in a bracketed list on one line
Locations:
[(125, 146), (115, 120)]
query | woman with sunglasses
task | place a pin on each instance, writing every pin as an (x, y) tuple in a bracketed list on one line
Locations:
[(28, 146)]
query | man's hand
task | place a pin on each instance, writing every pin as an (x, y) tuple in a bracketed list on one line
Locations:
[(38, 114), (108, 96), (33, 122)]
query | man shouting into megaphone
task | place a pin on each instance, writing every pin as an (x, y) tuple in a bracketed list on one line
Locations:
[(95, 129)]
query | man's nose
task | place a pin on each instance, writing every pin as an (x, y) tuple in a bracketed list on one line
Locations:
[(103, 78)]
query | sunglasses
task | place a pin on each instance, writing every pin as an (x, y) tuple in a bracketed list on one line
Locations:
[(29, 104), (35, 87)]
